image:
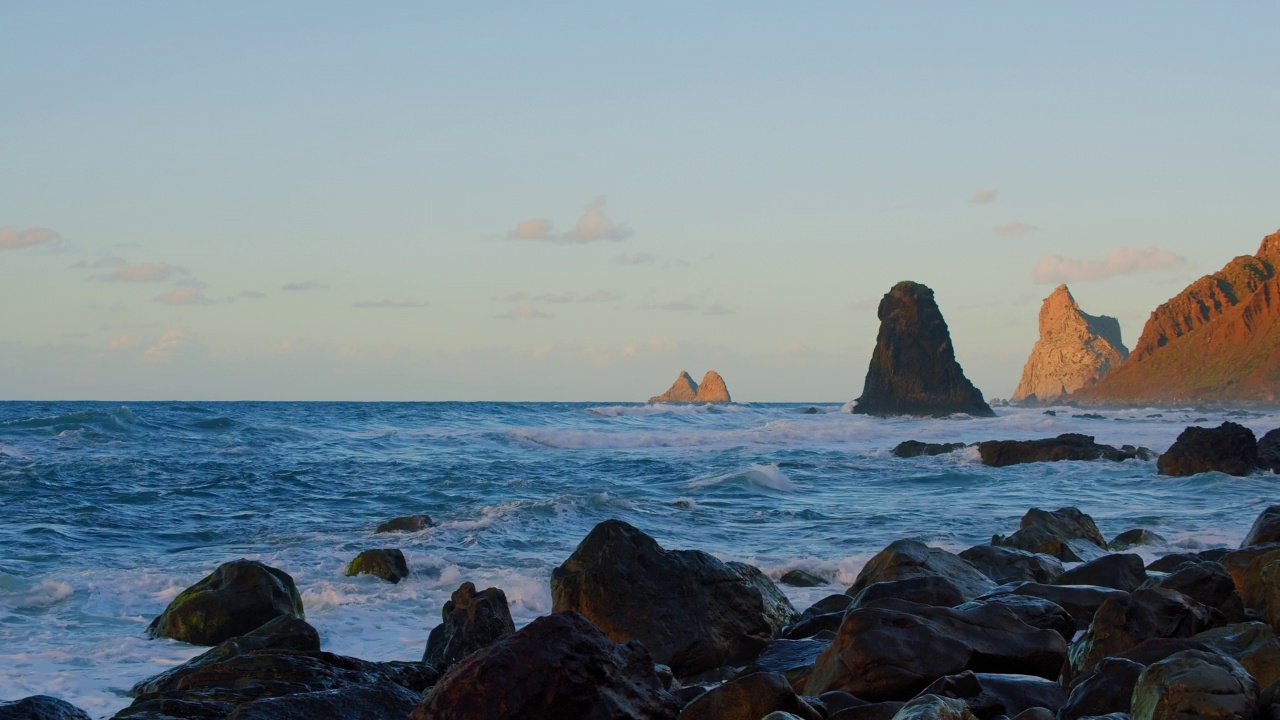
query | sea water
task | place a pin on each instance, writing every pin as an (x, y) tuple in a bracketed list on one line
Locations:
[(108, 510)]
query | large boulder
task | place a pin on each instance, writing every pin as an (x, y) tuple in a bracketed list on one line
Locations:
[(793, 659), (750, 697), (1081, 602), (1269, 451), (556, 667), (1066, 534), (926, 590), (1252, 644), (373, 701), (1069, 446), (1195, 684), (235, 599), (932, 707), (1107, 688), (1208, 583), (692, 611), (1121, 572), (905, 559), (913, 368), (1255, 571), (472, 620), (41, 707), (1266, 529), (386, 563), (1006, 564), (989, 695), (1229, 448), (1034, 611), (1075, 350), (1122, 623), (893, 649)]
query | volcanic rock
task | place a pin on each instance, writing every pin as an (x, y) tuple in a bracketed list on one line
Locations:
[(685, 390), (1068, 446), (1229, 448), (472, 620), (235, 599), (1075, 350), (913, 369), (692, 611)]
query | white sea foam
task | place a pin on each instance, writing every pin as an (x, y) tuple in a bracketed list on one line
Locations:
[(666, 409), (765, 476)]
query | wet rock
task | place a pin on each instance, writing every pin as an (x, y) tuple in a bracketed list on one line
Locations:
[(1069, 446), (472, 620), (1034, 611), (1229, 448), (235, 599), (1154, 650), (894, 649), (1252, 644), (829, 604), (41, 707), (406, 524), (869, 711), (932, 707), (793, 659), (915, 448), (811, 411), (1105, 689), (749, 698), (1006, 564), (692, 611), (1195, 684), (1080, 601), (1173, 561), (1122, 623), (378, 701), (1255, 571), (802, 578), (1066, 534), (556, 667), (1266, 529), (1208, 583), (283, 633), (386, 563), (913, 368), (1120, 572), (906, 559), (835, 701), (925, 590), (813, 626), (1269, 454), (1135, 538), (1035, 714), (989, 695)]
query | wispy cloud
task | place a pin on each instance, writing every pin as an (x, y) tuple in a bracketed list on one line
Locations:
[(12, 238), (185, 295), (985, 197), (532, 229), (525, 312), (302, 286), (123, 272), (166, 347), (637, 258), (391, 304), (1014, 228), (1054, 269), (593, 226)]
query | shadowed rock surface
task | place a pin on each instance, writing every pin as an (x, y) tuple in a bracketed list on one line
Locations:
[(1068, 446), (1006, 564), (1107, 688), (374, 701), (915, 448), (235, 599), (925, 590), (749, 698), (1266, 529), (472, 620), (1066, 534), (904, 559), (1079, 601), (41, 707), (1229, 448), (913, 367), (1195, 684), (1121, 572), (1074, 351)]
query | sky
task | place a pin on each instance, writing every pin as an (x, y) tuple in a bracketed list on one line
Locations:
[(575, 201)]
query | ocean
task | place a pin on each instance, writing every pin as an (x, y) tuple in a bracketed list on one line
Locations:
[(108, 510)]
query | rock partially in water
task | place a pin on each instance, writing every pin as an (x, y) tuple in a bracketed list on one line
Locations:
[(1195, 684), (406, 524), (685, 390), (1135, 538), (1269, 451), (915, 448), (1066, 534), (913, 368), (1229, 448), (692, 611), (386, 563), (1068, 446), (560, 666), (904, 559), (235, 599), (472, 620), (41, 707), (802, 578)]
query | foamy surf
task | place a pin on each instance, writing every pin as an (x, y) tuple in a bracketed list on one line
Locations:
[(763, 476)]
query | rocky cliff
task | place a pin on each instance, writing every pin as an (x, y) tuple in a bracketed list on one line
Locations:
[(685, 390), (1218, 341), (1074, 351), (913, 368)]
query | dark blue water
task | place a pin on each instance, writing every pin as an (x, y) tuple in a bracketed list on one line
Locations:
[(108, 510)]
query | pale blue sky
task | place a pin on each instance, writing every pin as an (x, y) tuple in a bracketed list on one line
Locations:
[(770, 170)]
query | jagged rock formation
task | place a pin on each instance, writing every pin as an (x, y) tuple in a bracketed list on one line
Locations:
[(685, 390), (913, 368), (1218, 341), (1074, 351)]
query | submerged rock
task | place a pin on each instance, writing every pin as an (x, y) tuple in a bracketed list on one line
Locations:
[(1069, 446), (406, 524), (1134, 538), (802, 578), (386, 563), (692, 611), (235, 599), (913, 369), (1229, 448), (1074, 351), (472, 620), (915, 448)]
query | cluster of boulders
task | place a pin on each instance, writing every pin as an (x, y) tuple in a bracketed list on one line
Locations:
[(1229, 448), (641, 632)]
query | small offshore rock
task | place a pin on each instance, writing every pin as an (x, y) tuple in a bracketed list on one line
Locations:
[(915, 448), (802, 578), (386, 563), (1134, 538), (1068, 446), (471, 621), (41, 707), (1229, 448), (406, 524), (235, 599)]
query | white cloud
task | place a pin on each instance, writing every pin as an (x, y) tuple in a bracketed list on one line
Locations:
[(1014, 228), (525, 312), (185, 295), (122, 271), (638, 258), (593, 226), (164, 349), (301, 286), (1054, 269), (532, 229), (985, 197), (391, 304), (12, 238)]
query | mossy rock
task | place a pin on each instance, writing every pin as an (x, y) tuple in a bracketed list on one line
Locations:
[(237, 598), (388, 564)]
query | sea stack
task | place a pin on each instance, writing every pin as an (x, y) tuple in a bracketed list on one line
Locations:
[(685, 390), (1075, 351), (913, 369)]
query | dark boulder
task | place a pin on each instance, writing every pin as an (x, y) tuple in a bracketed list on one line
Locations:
[(1007, 564), (1134, 538), (1269, 451), (1069, 446), (824, 615), (793, 659), (472, 620), (386, 563), (1229, 448), (406, 524), (1107, 688), (1034, 611), (829, 604), (905, 559), (869, 711), (1255, 571), (750, 697), (235, 599), (1120, 572), (556, 667), (989, 695), (692, 611), (1154, 650), (1208, 583), (1266, 529), (1169, 563), (893, 649), (915, 448), (1252, 644), (932, 707), (377, 701), (1080, 601), (1195, 684), (1066, 534), (41, 707), (802, 578), (913, 368), (925, 590)]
